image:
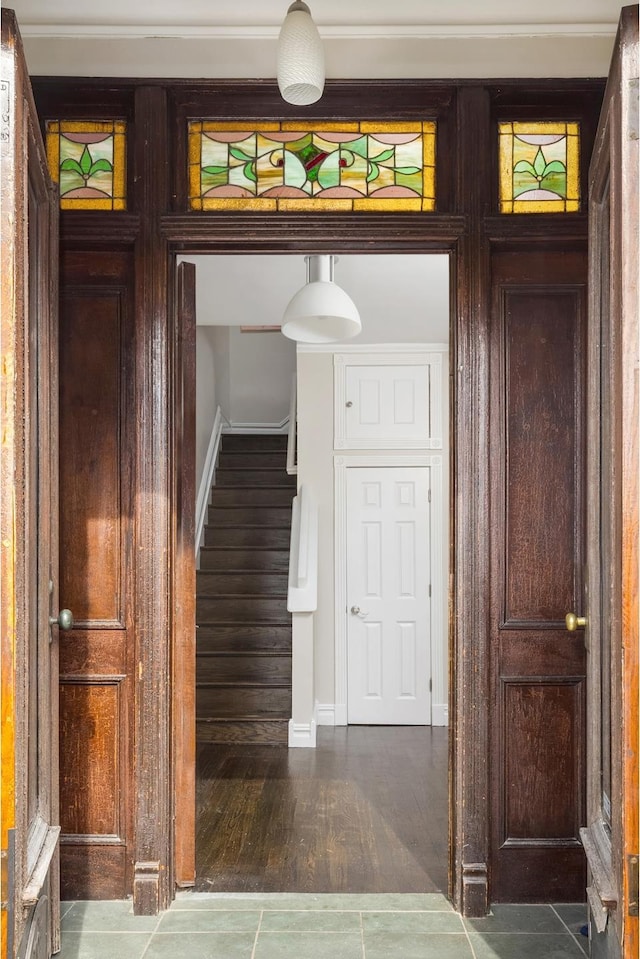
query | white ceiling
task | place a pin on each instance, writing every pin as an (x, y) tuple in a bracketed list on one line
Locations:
[(402, 298), (362, 38)]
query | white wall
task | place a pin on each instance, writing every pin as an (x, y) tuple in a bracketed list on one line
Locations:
[(261, 368), (315, 471)]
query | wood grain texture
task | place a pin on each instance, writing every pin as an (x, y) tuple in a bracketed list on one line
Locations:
[(614, 407), (92, 467), (542, 342), (364, 812), (537, 441), (90, 751), (535, 762), (97, 655), (28, 507), (184, 574), (154, 378), (94, 871)]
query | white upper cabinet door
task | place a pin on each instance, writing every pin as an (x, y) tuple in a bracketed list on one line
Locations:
[(388, 402)]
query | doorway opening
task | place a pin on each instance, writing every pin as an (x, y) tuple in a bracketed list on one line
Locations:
[(367, 809)]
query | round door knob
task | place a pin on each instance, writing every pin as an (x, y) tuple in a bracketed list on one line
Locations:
[(349, 403), (355, 610), (573, 621), (64, 620)]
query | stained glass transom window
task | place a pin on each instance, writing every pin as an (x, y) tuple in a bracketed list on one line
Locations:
[(539, 167), (87, 160), (312, 166)]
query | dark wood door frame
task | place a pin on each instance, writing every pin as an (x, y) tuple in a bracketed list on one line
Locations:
[(158, 228), (468, 872)]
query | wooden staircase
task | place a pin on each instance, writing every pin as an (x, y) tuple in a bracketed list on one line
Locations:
[(243, 655)]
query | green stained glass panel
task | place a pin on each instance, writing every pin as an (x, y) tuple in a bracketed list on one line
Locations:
[(539, 167), (332, 166)]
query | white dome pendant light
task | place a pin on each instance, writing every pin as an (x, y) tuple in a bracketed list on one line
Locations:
[(321, 312), (300, 57)]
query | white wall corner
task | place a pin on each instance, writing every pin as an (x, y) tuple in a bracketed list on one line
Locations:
[(302, 734), (439, 714), (325, 714)]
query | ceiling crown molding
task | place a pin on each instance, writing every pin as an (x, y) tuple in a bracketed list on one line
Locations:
[(418, 31)]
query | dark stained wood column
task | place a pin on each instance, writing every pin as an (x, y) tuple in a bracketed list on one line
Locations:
[(153, 873), (469, 351)]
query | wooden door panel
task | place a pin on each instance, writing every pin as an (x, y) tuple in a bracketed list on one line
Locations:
[(541, 341), (96, 575), (611, 833), (90, 404), (538, 668), (28, 518), (536, 809)]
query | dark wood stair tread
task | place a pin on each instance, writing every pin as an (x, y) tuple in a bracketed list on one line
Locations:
[(243, 641)]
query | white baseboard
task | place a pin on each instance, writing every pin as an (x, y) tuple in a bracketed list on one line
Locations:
[(302, 734), (341, 714), (325, 714), (281, 427), (439, 714)]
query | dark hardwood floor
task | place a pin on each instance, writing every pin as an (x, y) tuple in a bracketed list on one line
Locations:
[(364, 812)]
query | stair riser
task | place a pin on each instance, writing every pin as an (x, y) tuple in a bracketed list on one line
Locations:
[(256, 460), (252, 496), (265, 732), (248, 516), (212, 584), (242, 610), (273, 477), (244, 638), (237, 703), (251, 536), (274, 560), (263, 670), (243, 442)]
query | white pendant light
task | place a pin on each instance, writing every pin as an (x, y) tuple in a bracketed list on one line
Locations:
[(321, 312), (300, 57)]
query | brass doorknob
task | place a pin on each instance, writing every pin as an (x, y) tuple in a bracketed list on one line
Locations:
[(574, 621)]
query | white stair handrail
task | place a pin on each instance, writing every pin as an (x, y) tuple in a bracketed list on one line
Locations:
[(292, 466), (302, 596)]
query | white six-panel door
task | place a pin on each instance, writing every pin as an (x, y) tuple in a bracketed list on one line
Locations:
[(388, 603)]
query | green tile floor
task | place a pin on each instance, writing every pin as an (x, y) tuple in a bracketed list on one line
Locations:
[(286, 926)]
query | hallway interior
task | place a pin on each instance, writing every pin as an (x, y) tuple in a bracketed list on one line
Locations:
[(364, 812), (337, 851)]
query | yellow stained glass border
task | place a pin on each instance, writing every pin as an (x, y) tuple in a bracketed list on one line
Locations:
[(506, 133), (118, 129), (425, 203)]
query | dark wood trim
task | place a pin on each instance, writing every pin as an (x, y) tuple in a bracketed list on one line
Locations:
[(469, 875), (465, 226), (153, 868), (183, 693), (80, 229), (246, 233)]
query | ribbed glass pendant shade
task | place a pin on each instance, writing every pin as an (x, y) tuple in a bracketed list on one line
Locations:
[(300, 57), (321, 312)]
